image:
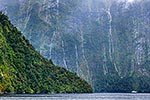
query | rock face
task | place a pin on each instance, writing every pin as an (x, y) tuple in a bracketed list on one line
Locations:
[(106, 42), (23, 70)]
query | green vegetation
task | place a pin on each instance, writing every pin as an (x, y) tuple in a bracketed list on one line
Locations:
[(105, 43), (22, 69), (127, 84)]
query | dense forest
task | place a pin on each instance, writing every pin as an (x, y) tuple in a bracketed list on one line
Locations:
[(106, 42), (23, 70)]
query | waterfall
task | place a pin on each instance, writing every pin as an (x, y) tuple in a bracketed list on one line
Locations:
[(77, 58), (26, 22), (139, 41), (51, 46), (57, 5), (55, 34), (64, 55), (83, 55), (110, 33), (110, 38), (105, 69)]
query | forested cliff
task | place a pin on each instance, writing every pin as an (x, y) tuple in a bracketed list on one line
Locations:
[(106, 42), (23, 70)]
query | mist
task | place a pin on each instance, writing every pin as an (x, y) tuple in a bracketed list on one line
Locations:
[(93, 38)]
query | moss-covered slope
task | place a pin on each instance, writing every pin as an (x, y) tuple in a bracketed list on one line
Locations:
[(22, 69)]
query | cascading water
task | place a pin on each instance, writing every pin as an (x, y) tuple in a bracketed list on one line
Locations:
[(97, 39)]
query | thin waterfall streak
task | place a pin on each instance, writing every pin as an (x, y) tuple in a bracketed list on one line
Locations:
[(26, 22), (77, 57), (110, 36), (116, 68), (83, 55), (56, 32), (50, 51), (110, 31), (57, 5), (105, 60), (64, 55), (51, 43)]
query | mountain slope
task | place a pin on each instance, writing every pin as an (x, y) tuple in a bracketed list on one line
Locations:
[(22, 69), (106, 42)]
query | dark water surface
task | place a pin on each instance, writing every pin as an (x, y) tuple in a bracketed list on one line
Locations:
[(94, 96)]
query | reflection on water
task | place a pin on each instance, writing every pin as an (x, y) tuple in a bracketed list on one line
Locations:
[(94, 96)]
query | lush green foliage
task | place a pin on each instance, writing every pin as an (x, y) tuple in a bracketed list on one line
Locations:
[(105, 42), (22, 69), (113, 83)]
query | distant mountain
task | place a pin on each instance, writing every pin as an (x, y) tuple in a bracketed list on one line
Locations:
[(23, 70), (106, 42)]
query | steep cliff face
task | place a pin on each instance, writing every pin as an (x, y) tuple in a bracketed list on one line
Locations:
[(103, 41), (23, 70)]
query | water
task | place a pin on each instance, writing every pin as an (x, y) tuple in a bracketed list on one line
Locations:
[(94, 96)]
